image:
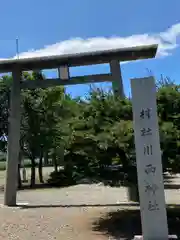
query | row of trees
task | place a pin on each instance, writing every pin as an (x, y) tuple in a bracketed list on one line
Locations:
[(88, 134)]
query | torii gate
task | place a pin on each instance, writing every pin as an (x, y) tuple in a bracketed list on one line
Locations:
[(62, 63)]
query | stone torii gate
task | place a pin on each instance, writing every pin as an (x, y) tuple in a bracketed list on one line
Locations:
[(62, 63)]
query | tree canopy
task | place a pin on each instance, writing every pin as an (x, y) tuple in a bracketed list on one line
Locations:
[(88, 134)]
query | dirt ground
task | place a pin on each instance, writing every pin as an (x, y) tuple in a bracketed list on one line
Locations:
[(49, 223), (78, 212), (81, 212), (68, 213)]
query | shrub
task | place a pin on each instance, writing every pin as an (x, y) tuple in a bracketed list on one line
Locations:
[(61, 178)]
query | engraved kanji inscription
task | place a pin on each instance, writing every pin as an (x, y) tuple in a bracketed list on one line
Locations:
[(153, 205), (151, 188), (149, 168), (146, 132), (145, 113), (148, 150)]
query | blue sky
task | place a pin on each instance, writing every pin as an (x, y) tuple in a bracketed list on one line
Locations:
[(43, 28)]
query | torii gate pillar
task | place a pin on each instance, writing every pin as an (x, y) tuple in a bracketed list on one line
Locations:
[(117, 82), (13, 141)]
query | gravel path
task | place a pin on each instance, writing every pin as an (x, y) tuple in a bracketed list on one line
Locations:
[(46, 219), (48, 223), (56, 214)]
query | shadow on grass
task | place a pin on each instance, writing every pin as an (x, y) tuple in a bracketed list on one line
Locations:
[(127, 223)]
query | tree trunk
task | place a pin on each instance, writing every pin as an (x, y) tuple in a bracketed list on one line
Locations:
[(33, 172), (124, 160), (54, 159), (46, 158), (19, 176), (40, 167), (19, 171)]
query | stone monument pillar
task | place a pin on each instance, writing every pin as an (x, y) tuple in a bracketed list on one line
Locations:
[(148, 158)]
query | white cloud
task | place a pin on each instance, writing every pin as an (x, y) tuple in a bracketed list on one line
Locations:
[(167, 40)]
